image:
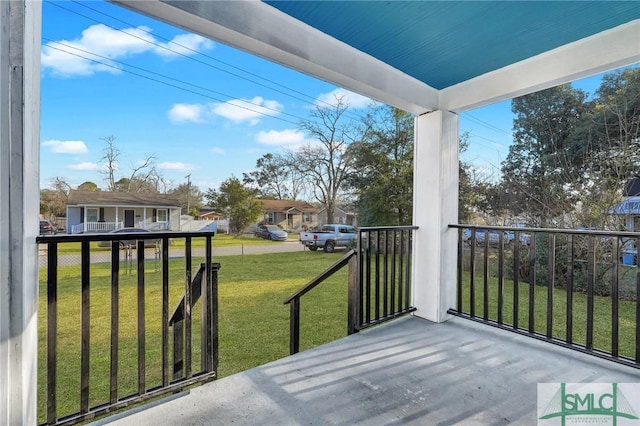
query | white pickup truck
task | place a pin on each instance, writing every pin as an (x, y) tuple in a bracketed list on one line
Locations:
[(329, 237)]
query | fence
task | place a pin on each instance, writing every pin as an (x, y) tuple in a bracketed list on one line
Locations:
[(111, 344), (379, 280), (574, 288)]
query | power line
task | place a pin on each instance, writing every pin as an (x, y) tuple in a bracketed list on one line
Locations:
[(313, 99), (487, 139), (169, 84), (485, 124), (161, 75)]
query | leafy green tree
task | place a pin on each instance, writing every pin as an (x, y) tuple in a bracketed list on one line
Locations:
[(382, 169), (237, 202), (540, 169), (609, 139), (135, 184), (88, 186), (271, 176), (189, 195), (53, 202)]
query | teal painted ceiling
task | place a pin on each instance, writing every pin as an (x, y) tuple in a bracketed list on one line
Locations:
[(443, 43)]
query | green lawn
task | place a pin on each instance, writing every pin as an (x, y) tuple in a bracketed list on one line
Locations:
[(254, 324), (602, 323)]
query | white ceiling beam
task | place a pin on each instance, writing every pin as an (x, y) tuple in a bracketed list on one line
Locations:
[(610, 49), (260, 29)]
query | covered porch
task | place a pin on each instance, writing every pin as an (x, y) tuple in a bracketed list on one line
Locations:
[(409, 371), (107, 211), (479, 58)]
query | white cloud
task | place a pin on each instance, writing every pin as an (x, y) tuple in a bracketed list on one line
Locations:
[(183, 113), (176, 166), (217, 150), (352, 99), (86, 166), (74, 57), (183, 44), (288, 138), (66, 147), (247, 110)]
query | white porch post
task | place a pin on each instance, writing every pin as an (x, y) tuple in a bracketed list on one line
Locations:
[(144, 217), (435, 206), (84, 219), (19, 197)]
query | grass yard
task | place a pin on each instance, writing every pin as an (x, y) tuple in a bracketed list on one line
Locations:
[(253, 322), (253, 327), (602, 323)]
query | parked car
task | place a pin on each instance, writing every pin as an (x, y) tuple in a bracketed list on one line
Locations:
[(271, 232), (132, 243), (493, 236), (47, 228), (510, 236), (329, 237)]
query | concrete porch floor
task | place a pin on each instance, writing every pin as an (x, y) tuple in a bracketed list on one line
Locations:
[(408, 371)]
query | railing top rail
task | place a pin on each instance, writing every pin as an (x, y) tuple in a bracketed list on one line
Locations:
[(109, 236), (323, 276), (599, 232), (388, 228)]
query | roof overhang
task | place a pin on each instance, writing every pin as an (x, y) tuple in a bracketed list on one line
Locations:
[(263, 29)]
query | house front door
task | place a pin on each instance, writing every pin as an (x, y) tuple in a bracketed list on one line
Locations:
[(129, 218)]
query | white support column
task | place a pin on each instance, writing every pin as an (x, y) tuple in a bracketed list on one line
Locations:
[(435, 206), (19, 197)]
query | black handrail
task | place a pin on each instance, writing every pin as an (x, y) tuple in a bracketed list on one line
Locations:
[(294, 300), (379, 283), (384, 261), (549, 261), (205, 285)]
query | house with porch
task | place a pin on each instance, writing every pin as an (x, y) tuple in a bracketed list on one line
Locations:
[(436, 60), (102, 211), (290, 215)]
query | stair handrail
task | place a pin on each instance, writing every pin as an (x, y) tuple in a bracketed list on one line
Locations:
[(294, 300)]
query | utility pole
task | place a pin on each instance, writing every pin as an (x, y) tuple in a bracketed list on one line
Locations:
[(188, 191)]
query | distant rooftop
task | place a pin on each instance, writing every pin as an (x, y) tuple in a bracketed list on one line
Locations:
[(106, 198)]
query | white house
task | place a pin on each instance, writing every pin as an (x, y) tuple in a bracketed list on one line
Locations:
[(100, 211)]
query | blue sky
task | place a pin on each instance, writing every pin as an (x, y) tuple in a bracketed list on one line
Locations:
[(201, 108)]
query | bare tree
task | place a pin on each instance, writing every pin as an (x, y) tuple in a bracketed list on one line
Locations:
[(110, 156), (326, 165), (144, 174), (143, 177)]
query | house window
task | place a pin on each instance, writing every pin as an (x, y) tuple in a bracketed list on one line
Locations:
[(162, 215), (306, 217), (92, 215), (271, 217)]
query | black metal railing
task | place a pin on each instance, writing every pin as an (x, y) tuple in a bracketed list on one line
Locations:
[(384, 260), (107, 334), (574, 288), (294, 300), (379, 280)]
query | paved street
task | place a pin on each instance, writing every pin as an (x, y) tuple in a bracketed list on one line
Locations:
[(105, 256)]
